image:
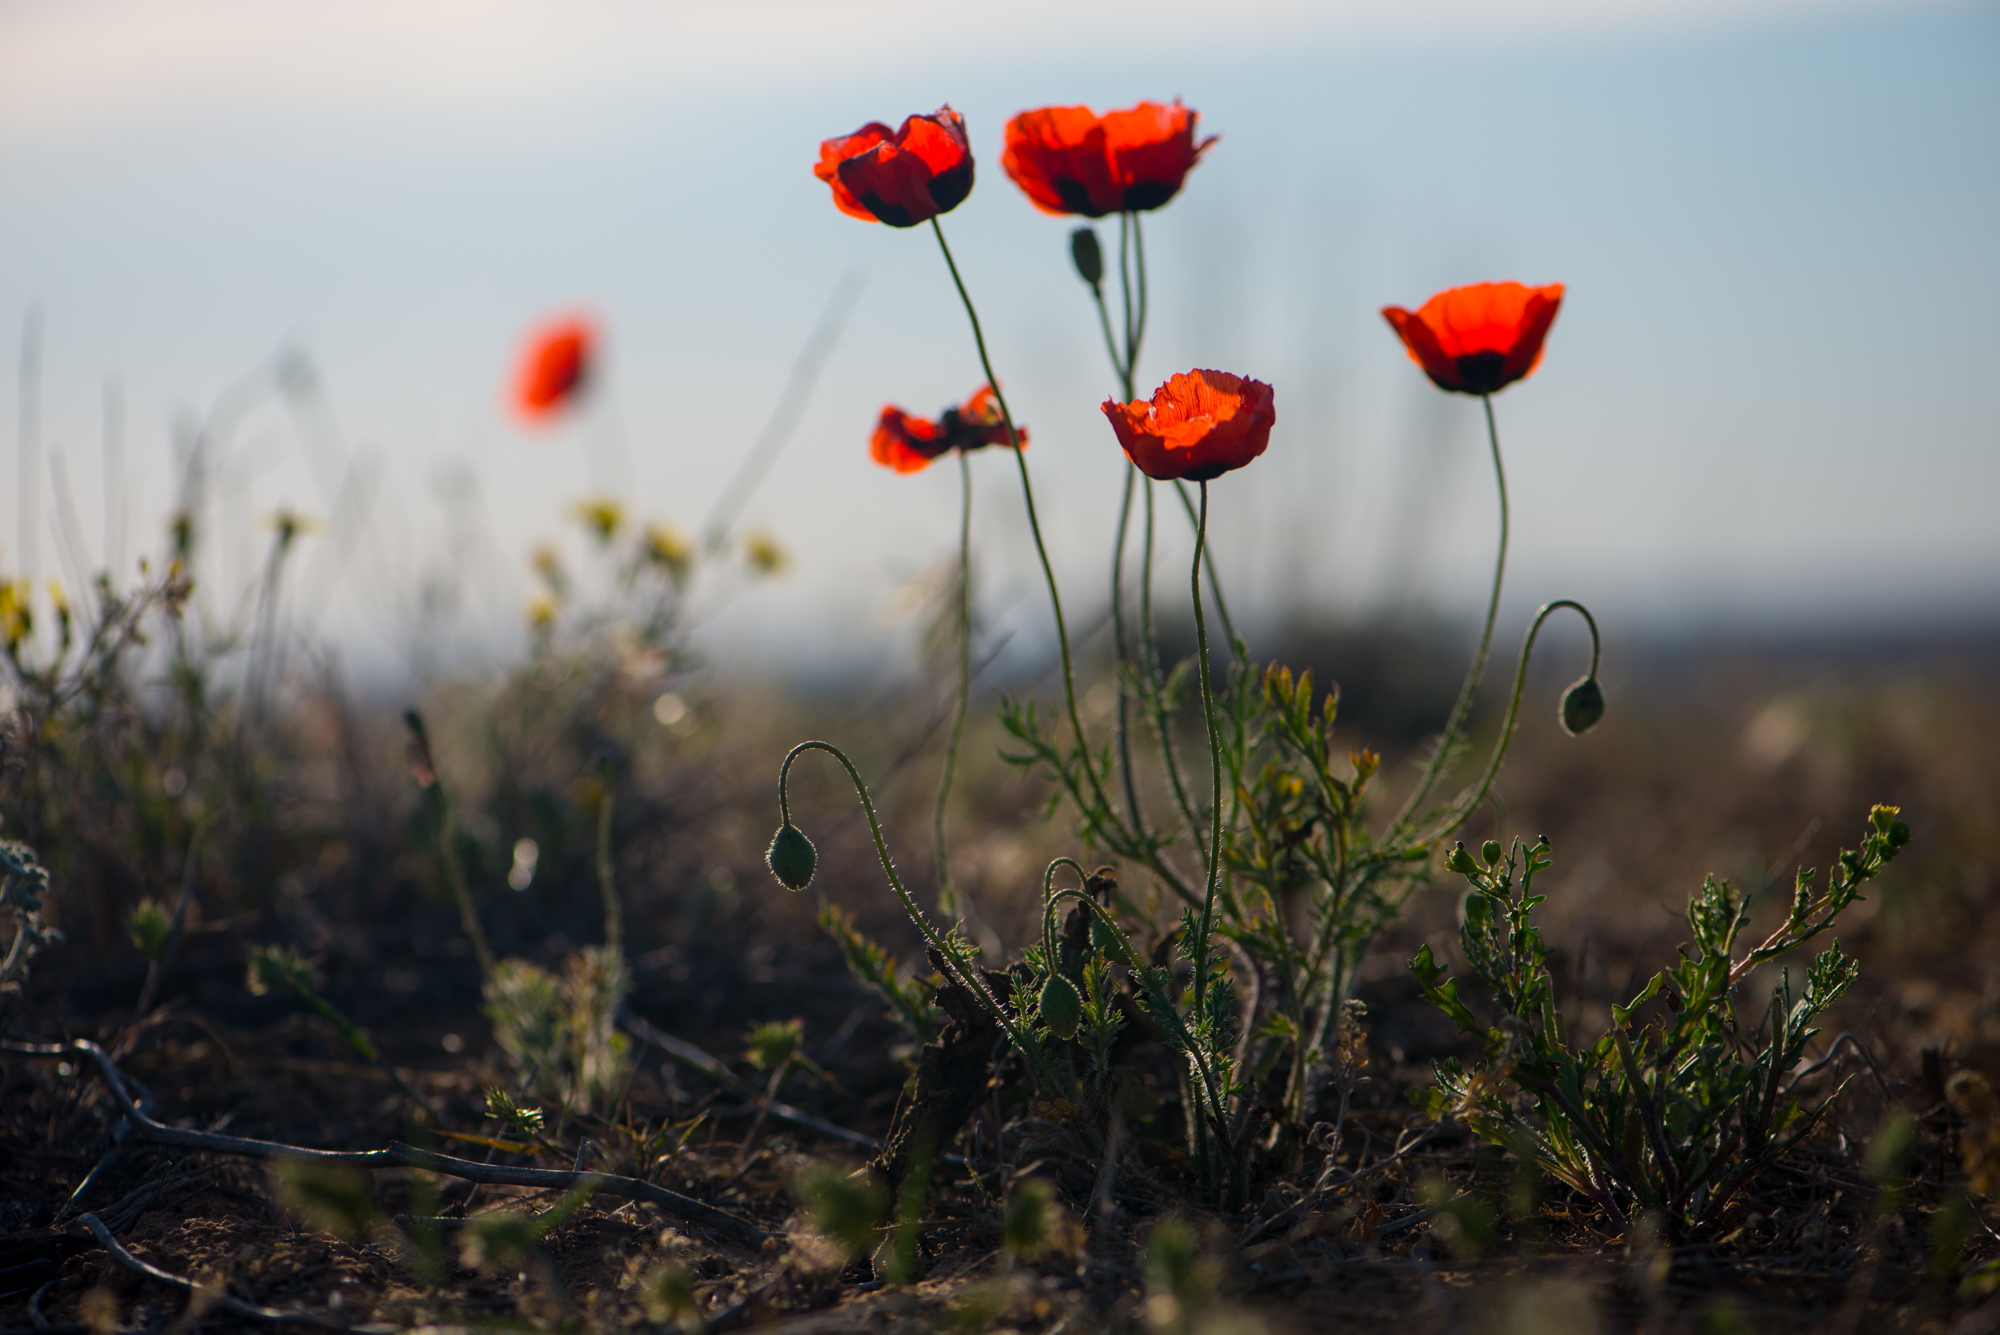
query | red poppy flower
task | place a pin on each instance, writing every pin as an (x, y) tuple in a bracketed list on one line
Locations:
[(1071, 160), (1478, 339), (903, 178), (555, 368), (1198, 426), (908, 444)]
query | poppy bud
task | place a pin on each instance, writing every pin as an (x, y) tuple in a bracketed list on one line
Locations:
[(1582, 706), (1061, 1007), (1490, 850), (1088, 256), (791, 857)]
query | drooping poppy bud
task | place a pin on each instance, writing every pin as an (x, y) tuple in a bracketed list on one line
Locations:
[(1481, 338), (1070, 160), (1105, 938), (1582, 706), (1087, 255), (1061, 1007), (791, 857), (1198, 426), (555, 368), (902, 178)]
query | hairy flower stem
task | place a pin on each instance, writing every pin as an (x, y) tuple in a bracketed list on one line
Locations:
[(1149, 647), (1207, 922), (1465, 806), (956, 969), (1088, 764), (1121, 642), (1463, 706), (947, 897)]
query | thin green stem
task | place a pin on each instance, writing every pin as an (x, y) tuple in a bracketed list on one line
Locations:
[(1123, 372), (1464, 808), (1463, 706), (1214, 580), (1121, 642), (1089, 765), (1139, 332), (454, 872), (1214, 764), (1149, 646), (947, 897), (1125, 221), (607, 885)]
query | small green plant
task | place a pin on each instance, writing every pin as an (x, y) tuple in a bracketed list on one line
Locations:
[(560, 1031), (1681, 1104), (24, 884), (282, 969)]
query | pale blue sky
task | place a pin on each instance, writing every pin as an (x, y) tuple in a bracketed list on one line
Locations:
[(1767, 400)]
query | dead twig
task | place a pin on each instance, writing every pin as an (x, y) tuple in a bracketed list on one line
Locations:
[(399, 1155), (204, 1292)]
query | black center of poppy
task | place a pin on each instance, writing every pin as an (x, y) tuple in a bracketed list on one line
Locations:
[(1075, 197), (1143, 195), (893, 214), (949, 188), (1482, 372)]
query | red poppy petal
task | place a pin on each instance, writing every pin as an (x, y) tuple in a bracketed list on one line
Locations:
[(1151, 149), (1422, 345), (1057, 156), (833, 151), (1526, 355), (554, 369), (893, 186), (1199, 425)]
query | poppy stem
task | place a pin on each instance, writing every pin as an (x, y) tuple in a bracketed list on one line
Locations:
[(1118, 366), (1463, 706), (1214, 580), (956, 968), (1149, 646), (947, 897), (1214, 763), (1121, 641), (1139, 332), (1088, 765), (1466, 806)]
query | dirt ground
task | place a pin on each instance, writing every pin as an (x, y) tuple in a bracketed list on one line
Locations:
[(1734, 762)]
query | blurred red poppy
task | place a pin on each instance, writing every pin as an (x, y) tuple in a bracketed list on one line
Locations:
[(1198, 426), (1481, 338), (903, 178), (1071, 160), (555, 368), (908, 444)]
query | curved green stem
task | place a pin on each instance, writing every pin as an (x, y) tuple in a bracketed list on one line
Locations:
[(1034, 528), (954, 968), (1463, 706), (1464, 808), (1049, 896), (947, 897)]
